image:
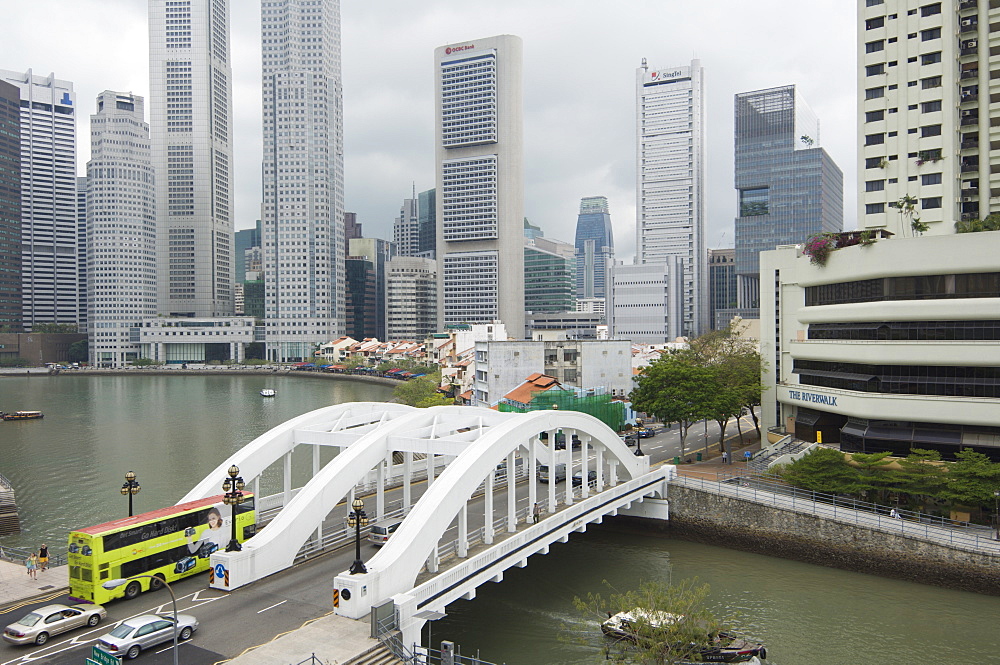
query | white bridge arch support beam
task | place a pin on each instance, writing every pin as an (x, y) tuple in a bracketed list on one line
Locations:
[(394, 569)]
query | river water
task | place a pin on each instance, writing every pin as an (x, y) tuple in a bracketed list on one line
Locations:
[(172, 430), (68, 468)]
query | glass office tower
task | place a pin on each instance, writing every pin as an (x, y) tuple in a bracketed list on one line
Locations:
[(595, 248), (789, 188)]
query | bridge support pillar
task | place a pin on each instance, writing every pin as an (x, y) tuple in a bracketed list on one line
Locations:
[(552, 472), (433, 561), (614, 472), (488, 509), (600, 468), (463, 532), (407, 488), (287, 478), (585, 468), (380, 491), (511, 496), (409, 625), (532, 473)]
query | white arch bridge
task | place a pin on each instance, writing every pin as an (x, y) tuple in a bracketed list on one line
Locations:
[(457, 450)]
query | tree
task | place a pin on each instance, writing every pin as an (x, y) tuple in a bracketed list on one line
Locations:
[(921, 475), (972, 479), (823, 470), (666, 642), (420, 392), (676, 389), (874, 472), (78, 351), (735, 365)]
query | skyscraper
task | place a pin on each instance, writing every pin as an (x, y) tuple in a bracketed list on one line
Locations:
[(303, 211), (411, 298), (10, 208), (81, 251), (924, 80), (406, 229), (427, 224), (478, 134), (190, 80), (788, 187), (595, 248), (50, 288), (121, 229), (549, 274), (721, 283), (670, 188), (303, 176), (242, 241)]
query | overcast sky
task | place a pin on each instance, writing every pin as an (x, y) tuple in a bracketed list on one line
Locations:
[(580, 58)]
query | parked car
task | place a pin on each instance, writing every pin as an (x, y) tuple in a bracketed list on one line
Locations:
[(380, 531), (591, 478), (133, 635), (39, 625)]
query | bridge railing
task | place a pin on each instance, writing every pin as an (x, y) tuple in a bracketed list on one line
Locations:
[(564, 521), (958, 535), (18, 555)]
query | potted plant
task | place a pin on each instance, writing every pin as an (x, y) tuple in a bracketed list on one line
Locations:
[(819, 246)]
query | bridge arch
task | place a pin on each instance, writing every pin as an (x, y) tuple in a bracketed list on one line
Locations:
[(396, 566)]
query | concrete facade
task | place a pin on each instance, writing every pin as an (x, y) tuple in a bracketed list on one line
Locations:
[(303, 209), (121, 229), (478, 132), (191, 120), (925, 130), (50, 275), (646, 303), (670, 186), (502, 366), (886, 347)]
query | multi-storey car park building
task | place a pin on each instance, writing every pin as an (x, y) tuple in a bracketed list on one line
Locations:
[(303, 211), (595, 248), (121, 229), (927, 99), (670, 187), (190, 119), (478, 133), (788, 187), (50, 280), (10, 208), (888, 347)]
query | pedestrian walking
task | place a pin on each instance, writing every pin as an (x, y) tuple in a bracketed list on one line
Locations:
[(31, 563), (536, 512), (894, 514), (725, 457), (43, 557)]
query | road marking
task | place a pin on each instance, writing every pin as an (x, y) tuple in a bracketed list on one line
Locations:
[(272, 607)]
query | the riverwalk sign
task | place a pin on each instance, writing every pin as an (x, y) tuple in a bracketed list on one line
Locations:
[(815, 398), (99, 656)]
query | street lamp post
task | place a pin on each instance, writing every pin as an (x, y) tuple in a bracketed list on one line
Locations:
[(130, 488), (114, 584), (357, 519), (638, 445), (233, 487)]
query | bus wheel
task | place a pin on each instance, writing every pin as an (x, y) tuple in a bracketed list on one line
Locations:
[(132, 590), (156, 583)]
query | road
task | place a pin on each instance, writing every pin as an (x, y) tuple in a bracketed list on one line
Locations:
[(232, 622)]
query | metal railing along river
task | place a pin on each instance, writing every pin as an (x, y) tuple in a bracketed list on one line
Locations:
[(930, 528)]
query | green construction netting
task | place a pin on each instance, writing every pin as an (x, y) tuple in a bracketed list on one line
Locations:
[(611, 413)]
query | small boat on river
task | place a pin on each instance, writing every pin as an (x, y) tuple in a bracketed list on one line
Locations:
[(22, 415), (724, 648), (268, 392)]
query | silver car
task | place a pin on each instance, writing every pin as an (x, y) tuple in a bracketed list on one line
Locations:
[(41, 624), (133, 635)]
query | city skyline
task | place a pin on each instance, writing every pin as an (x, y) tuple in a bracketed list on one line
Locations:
[(398, 110)]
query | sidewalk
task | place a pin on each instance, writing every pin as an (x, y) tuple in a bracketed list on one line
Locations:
[(16, 587)]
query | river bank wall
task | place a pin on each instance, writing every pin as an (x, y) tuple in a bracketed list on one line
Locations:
[(220, 371), (733, 523)]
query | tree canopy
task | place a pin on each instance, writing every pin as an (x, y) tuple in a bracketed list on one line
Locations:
[(716, 378), (421, 392), (662, 642)]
